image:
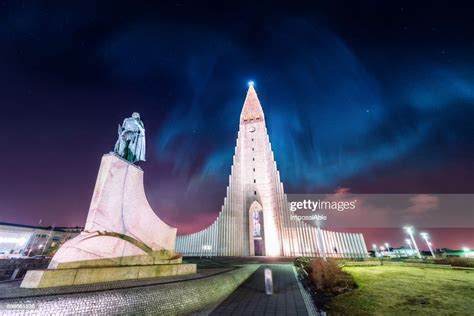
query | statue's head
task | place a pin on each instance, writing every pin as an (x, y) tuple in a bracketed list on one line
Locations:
[(136, 115)]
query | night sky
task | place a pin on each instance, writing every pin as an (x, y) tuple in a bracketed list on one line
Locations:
[(375, 97)]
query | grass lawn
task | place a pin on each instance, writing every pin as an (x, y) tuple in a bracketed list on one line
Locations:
[(407, 290)]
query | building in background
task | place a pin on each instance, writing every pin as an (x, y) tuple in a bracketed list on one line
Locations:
[(255, 218), (18, 240)]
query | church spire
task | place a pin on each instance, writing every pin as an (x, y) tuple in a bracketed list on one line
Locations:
[(252, 110)]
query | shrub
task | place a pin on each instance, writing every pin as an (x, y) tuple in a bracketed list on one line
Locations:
[(328, 277), (303, 262), (456, 261)]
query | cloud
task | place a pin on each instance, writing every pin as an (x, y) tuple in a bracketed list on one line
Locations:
[(421, 204)]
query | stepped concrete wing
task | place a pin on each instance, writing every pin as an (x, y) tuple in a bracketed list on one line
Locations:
[(120, 220)]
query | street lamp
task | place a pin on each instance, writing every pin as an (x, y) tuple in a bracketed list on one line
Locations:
[(409, 230), (408, 241), (425, 237)]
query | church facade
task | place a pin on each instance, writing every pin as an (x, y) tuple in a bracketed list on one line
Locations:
[(255, 217)]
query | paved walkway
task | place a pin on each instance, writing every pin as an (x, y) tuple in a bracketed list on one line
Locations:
[(12, 289), (250, 297), (178, 297)]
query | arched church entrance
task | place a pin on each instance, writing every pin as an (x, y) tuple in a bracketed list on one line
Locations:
[(256, 231)]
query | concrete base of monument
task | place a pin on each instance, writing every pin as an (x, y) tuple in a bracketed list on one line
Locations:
[(76, 276), (156, 264)]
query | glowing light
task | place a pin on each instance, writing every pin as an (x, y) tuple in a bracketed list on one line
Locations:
[(408, 241), (424, 235), (251, 83), (428, 243), (465, 249), (271, 242), (409, 230), (13, 240)]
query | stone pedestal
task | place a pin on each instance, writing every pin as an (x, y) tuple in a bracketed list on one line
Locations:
[(122, 233), (156, 264)]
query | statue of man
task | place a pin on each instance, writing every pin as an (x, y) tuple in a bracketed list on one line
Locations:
[(130, 144)]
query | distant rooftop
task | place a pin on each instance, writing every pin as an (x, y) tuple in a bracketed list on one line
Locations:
[(58, 228)]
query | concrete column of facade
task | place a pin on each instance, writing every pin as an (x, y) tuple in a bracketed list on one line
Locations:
[(364, 246), (355, 246), (300, 238), (310, 240), (308, 237), (347, 244), (189, 245), (219, 246), (279, 207), (330, 244), (228, 227), (354, 249), (231, 215), (213, 238), (216, 237), (319, 244), (339, 244), (334, 245), (343, 251), (327, 246), (313, 241), (305, 239), (359, 245), (288, 227), (345, 248)]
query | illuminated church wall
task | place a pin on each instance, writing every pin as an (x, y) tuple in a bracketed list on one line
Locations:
[(255, 189)]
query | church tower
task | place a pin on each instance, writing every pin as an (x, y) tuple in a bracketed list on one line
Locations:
[(255, 169), (255, 218)]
